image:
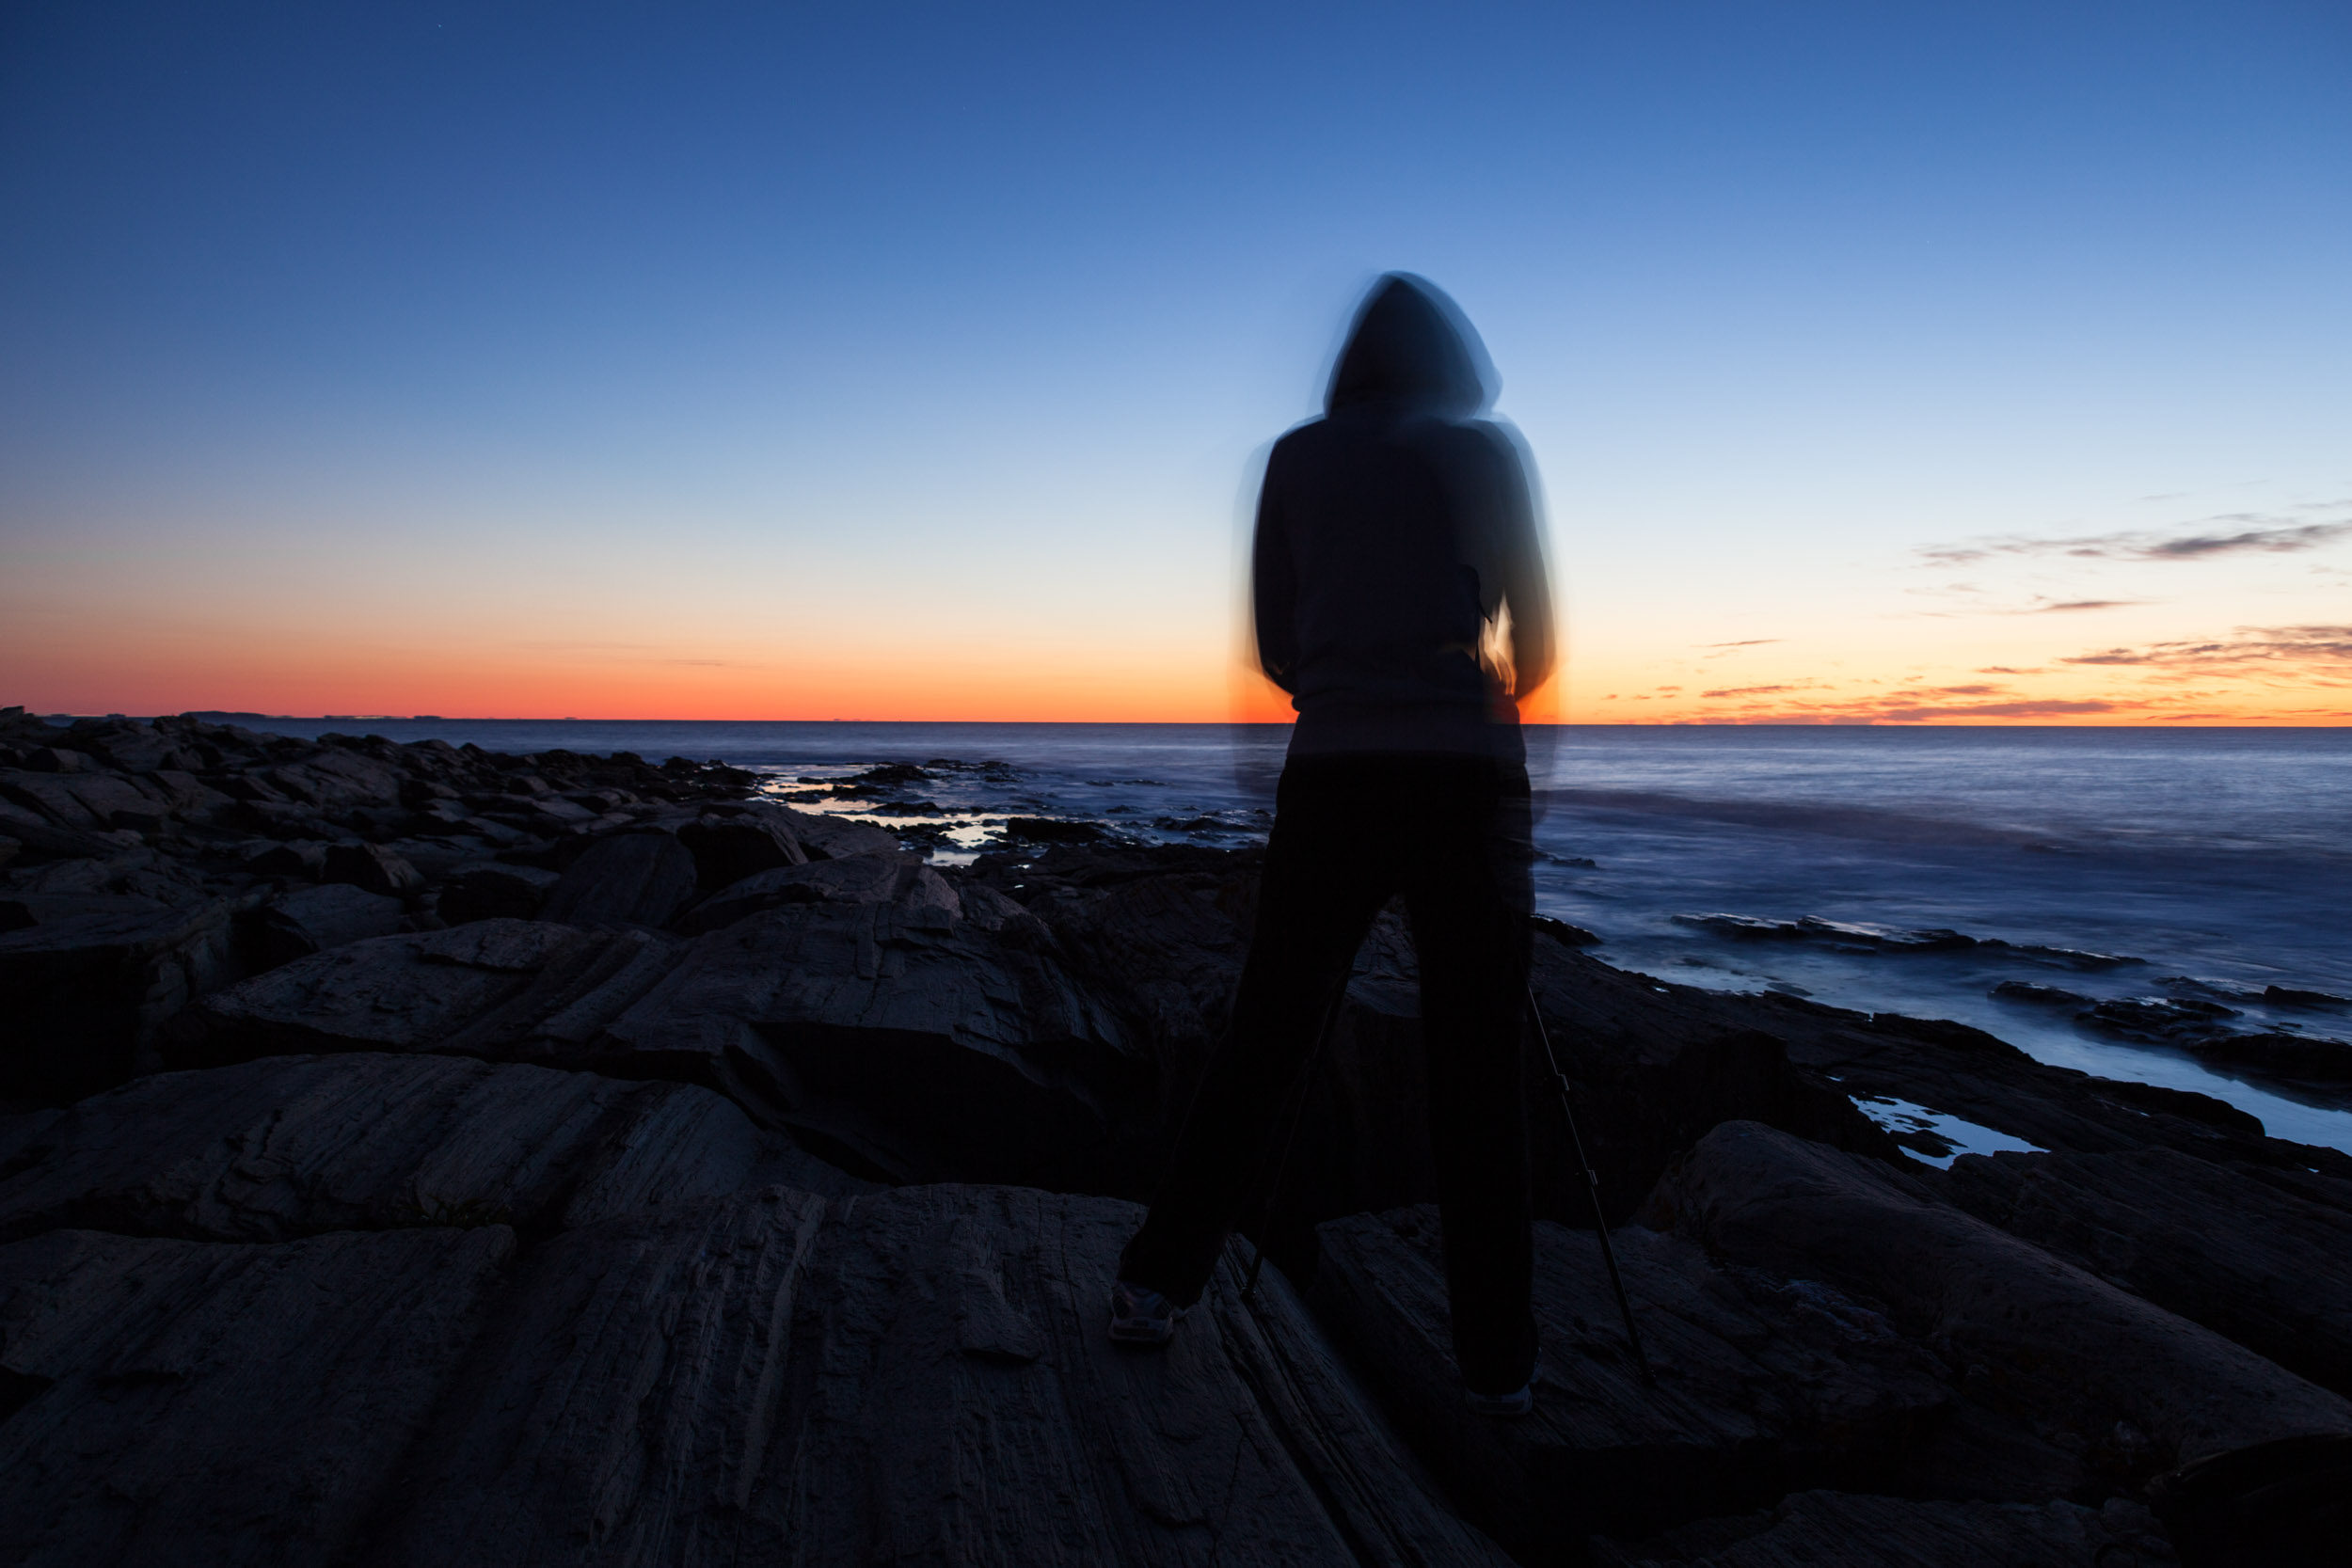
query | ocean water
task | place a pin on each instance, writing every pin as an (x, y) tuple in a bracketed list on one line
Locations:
[(2206, 858)]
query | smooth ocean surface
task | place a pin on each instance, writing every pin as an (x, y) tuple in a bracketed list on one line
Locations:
[(2217, 855)]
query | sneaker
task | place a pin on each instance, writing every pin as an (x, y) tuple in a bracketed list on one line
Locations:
[(1509, 1406), (1142, 1315)]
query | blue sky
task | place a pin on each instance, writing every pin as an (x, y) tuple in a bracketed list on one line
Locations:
[(769, 362)]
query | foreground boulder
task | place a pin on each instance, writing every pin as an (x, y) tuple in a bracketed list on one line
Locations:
[(2265, 1267), (920, 1376), (857, 880), (312, 919), (2127, 1386), (1764, 1385), (293, 1146), (184, 1402), (494, 891)]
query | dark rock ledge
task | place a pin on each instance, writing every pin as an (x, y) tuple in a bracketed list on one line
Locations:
[(418, 1155)]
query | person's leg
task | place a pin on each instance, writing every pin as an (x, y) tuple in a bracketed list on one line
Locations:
[(1469, 898), (1317, 895)]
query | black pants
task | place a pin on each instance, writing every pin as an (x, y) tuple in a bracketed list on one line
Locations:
[(1451, 835)]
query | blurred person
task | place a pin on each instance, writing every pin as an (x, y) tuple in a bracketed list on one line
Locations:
[(1399, 595)]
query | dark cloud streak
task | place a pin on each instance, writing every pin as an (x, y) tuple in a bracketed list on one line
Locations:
[(2258, 534)]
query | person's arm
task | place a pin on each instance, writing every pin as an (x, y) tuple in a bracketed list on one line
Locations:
[(1514, 558), (1274, 585)]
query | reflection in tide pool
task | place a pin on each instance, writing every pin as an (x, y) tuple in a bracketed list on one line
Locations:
[(1907, 1121)]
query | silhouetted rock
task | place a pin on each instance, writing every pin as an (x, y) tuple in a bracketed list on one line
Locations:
[(189, 1402), (293, 1146), (915, 1046), (2130, 1387), (917, 1376), (1837, 1529), (833, 838), (1764, 1385), (2268, 1269), (39, 840), (312, 919), (860, 879), (84, 997), (1949, 1067), (742, 843), (1566, 934), (2036, 995), (80, 799), (494, 891), (629, 879), (2292, 1058), (370, 866), (332, 779), (2159, 1020), (295, 858)]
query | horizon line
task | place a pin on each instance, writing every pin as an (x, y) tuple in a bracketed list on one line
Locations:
[(242, 714)]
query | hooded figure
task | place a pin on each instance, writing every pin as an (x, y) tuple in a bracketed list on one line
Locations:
[(1397, 585), (1400, 597)]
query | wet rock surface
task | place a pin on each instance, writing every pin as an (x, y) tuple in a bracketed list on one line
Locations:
[(408, 1152)]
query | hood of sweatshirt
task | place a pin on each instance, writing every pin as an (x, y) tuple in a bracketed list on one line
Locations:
[(1413, 349)]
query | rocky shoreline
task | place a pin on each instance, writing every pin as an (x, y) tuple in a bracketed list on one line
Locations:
[(416, 1154)]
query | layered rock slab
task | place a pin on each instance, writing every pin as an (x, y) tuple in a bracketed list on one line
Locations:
[(915, 1376), (180, 1403), (504, 989), (2266, 1268), (293, 1146), (2127, 1386), (629, 879), (1763, 1384)]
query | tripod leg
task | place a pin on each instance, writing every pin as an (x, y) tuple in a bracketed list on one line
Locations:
[(1591, 1190)]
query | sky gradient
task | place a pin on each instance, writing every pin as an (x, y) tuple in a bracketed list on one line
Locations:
[(1937, 363)]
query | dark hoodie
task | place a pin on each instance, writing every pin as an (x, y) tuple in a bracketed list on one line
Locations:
[(1394, 535)]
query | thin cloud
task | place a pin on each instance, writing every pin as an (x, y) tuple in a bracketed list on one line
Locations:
[(2040, 708), (2064, 606), (2314, 649), (2238, 533), (1747, 691), (1744, 642)]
